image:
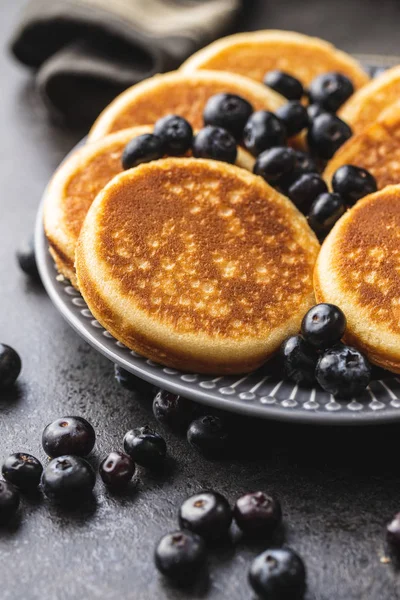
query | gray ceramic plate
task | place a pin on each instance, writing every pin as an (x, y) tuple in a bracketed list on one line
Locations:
[(259, 394)]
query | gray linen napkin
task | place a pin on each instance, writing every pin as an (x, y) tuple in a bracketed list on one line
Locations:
[(88, 51)]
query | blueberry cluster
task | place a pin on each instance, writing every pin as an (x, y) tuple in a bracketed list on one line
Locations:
[(173, 136), (206, 518), (318, 355), (69, 477)]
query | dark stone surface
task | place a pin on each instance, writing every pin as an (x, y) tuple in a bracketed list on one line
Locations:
[(338, 487)]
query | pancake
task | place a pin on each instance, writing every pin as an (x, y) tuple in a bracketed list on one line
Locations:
[(76, 184), (253, 54), (359, 270), (376, 148), (365, 106), (196, 264), (184, 94)]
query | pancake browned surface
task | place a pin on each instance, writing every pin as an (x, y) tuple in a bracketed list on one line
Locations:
[(196, 264), (76, 184), (365, 106), (359, 270), (376, 148), (184, 94), (253, 54)]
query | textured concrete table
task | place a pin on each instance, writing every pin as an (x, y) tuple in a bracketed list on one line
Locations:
[(337, 487)]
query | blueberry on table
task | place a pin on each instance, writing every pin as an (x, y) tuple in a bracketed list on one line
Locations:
[(142, 149), (117, 469), (10, 366), (9, 501), (180, 556), (353, 183), (294, 116), (324, 212), (323, 325), (145, 446), (68, 479), (68, 435), (285, 84), (326, 134), (229, 111), (27, 260), (343, 371), (304, 190), (330, 91), (393, 531), (215, 143), (129, 381), (22, 470), (299, 360), (263, 130), (275, 163), (208, 514), (175, 133), (209, 436), (174, 411), (278, 574), (257, 514)]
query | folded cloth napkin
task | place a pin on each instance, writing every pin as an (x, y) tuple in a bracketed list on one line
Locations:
[(88, 51)]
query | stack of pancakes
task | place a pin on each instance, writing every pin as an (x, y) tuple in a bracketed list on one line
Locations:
[(201, 265)]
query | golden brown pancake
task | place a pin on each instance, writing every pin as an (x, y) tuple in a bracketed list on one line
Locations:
[(253, 54), (184, 94), (358, 269), (76, 184), (376, 148), (196, 264), (365, 106)]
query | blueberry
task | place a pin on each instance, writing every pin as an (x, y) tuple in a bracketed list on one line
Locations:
[(180, 556), (352, 183), (393, 531), (129, 381), (209, 436), (228, 111), (27, 260), (208, 514), (117, 469), (172, 410), (9, 501), (343, 371), (304, 190), (215, 143), (275, 163), (284, 84), (330, 90), (10, 366), (257, 514), (142, 149), (175, 133), (314, 110), (294, 116), (263, 130), (22, 470), (323, 325), (304, 164), (68, 479), (324, 212), (299, 360), (278, 574), (326, 134), (145, 446), (68, 435)]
